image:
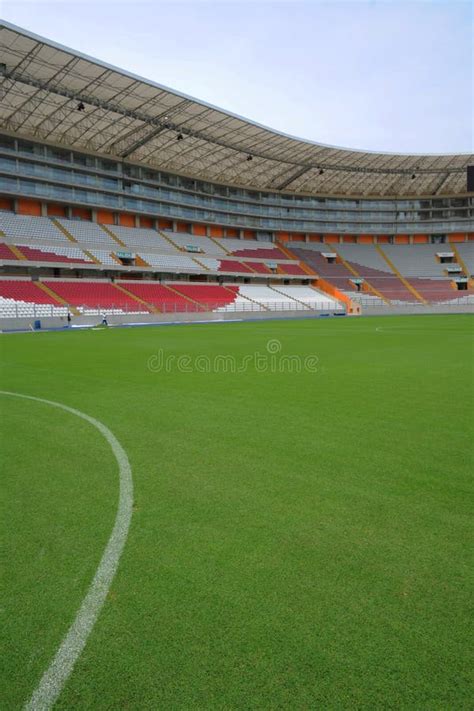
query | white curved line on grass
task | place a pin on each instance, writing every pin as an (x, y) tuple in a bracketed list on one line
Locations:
[(54, 678)]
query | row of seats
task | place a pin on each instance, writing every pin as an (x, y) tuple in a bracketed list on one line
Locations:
[(364, 297), (61, 254), (89, 233), (369, 264), (138, 238), (6, 252), (282, 298), (14, 308), (205, 244), (40, 239), (308, 295), (93, 295), (171, 262), (181, 297), (293, 269), (336, 273), (23, 227), (417, 260), (20, 228), (141, 297), (24, 299), (66, 253), (466, 252)]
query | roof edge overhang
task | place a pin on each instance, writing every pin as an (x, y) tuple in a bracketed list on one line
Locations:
[(129, 118), (188, 97)]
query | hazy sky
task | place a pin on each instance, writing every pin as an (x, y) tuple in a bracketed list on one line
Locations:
[(378, 75)]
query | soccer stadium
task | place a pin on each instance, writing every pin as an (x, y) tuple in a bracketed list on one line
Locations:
[(237, 380)]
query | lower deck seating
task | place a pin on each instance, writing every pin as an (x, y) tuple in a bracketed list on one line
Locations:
[(287, 298), (24, 299), (270, 299), (93, 296), (364, 297), (209, 296), (307, 295), (179, 296), (162, 297), (131, 296)]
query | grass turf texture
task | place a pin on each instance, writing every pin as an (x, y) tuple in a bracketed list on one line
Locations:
[(299, 540)]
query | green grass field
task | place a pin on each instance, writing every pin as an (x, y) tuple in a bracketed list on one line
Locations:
[(299, 540)]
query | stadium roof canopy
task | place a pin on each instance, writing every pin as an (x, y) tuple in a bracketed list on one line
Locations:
[(125, 116)]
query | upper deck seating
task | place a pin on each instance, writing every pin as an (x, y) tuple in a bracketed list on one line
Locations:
[(293, 269), (89, 233), (259, 267), (365, 258), (170, 262), (384, 281), (417, 260), (412, 262), (137, 238), (336, 273), (258, 252), (435, 290), (207, 245), (6, 252), (64, 254), (229, 265), (104, 256), (466, 252), (23, 228)]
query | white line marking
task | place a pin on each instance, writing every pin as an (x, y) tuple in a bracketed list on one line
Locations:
[(54, 678)]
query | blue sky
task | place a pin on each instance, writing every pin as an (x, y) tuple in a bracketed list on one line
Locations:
[(377, 75)]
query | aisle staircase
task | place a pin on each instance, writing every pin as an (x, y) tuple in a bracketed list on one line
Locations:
[(404, 281)]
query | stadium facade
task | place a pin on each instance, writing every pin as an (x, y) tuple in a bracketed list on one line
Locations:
[(84, 142)]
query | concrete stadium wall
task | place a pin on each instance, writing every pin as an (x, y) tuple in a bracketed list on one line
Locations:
[(26, 324), (399, 310), (56, 322)]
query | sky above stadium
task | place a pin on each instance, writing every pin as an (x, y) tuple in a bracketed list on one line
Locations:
[(375, 75)]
